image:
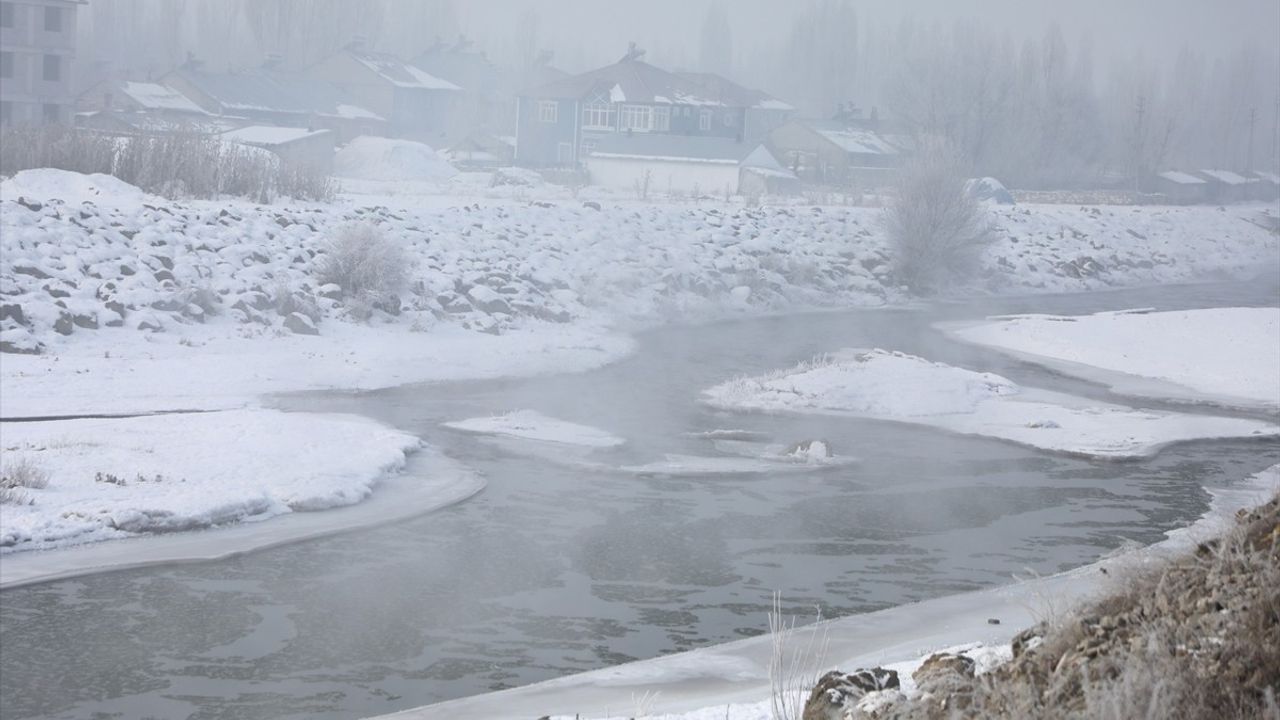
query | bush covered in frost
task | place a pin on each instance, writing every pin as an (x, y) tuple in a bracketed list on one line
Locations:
[(369, 267)]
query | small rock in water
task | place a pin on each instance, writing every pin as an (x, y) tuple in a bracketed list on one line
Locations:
[(993, 621)]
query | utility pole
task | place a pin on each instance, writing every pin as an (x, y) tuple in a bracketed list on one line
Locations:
[(1253, 121)]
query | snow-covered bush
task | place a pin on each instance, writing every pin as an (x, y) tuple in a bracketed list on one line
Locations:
[(367, 266), (936, 230), (18, 475)]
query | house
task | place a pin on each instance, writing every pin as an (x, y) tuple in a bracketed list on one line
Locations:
[(267, 96), (482, 103), (128, 106), (1224, 185), (763, 112), (37, 48), (1180, 187), (682, 164), (836, 152), (415, 103), (561, 122), (296, 147), (1267, 186)]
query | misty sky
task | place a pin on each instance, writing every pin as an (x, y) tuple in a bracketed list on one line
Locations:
[(669, 28)]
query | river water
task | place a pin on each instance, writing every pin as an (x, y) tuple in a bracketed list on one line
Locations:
[(555, 569)]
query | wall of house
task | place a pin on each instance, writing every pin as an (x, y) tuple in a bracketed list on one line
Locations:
[(758, 123), (424, 115), (25, 96), (664, 175), (313, 152), (808, 154), (541, 144)]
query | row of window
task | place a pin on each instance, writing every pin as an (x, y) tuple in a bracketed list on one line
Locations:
[(599, 115), (52, 17), (50, 72), (49, 112)]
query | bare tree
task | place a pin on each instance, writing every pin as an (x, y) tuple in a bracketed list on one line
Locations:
[(936, 229)]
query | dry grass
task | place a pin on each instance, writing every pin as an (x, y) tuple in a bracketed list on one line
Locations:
[(17, 476), (1196, 638)]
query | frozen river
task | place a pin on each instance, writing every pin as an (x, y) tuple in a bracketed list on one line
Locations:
[(554, 569)]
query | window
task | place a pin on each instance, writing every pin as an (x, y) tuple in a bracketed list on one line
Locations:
[(704, 120), (6, 15), (53, 19), (662, 118), (548, 111), (51, 114), (597, 114), (636, 117), (6, 64), (52, 68)]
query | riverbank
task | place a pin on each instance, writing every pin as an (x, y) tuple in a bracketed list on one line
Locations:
[(732, 680)]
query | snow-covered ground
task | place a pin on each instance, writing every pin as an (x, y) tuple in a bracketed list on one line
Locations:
[(1229, 356), (118, 478), (732, 681), (883, 385)]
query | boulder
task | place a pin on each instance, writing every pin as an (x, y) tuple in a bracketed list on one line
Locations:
[(837, 693), (64, 325), (940, 666), (13, 311), (300, 324), (88, 321)]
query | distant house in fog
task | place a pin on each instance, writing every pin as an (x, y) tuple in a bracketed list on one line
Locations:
[(298, 147), (562, 122), (416, 104), (268, 96), (128, 106), (1225, 185), (1268, 185), (690, 164), (838, 151), (762, 112), (481, 103), (1180, 187), (37, 47), (480, 149)]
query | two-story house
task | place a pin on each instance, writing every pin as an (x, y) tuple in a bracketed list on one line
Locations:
[(562, 122), (37, 47)]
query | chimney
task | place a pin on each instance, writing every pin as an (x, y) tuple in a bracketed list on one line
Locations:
[(633, 52)]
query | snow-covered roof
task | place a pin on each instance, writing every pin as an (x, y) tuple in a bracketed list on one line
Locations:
[(856, 140), (400, 73), (1226, 177), (1180, 178), (1270, 177), (266, 135), (269, 91), (633, 81), (688, 148), (732, 94), (154, 96)]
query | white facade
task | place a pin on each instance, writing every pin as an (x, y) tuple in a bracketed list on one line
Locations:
[(709, 177), (37, 49)]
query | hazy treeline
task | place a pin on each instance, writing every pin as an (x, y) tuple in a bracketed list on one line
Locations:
[(1038, 111)]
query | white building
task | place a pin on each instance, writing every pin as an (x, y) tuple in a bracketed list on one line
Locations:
[(698, 165), (37, 48)]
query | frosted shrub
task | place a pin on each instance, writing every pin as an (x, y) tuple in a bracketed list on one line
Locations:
[(936, 230), (17, 475), (369, 267)]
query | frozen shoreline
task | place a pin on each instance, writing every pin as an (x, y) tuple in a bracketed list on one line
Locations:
[(1220, 356), (733, 676), (429, 482)]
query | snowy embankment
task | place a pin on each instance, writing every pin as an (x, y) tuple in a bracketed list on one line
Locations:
[(732, 680), (109, 479), (1226, 356), (882, 385), (91, 271)]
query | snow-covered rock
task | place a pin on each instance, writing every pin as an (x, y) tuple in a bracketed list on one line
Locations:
[(390, 160)]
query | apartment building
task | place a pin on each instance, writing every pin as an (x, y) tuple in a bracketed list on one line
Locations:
[(37, 47)]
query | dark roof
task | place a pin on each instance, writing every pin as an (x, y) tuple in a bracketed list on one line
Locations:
[(400, 73), (275, 92), (630, 80), (733, 94), (689, 147), (464, 68)]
